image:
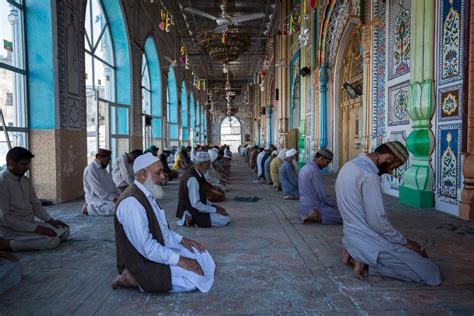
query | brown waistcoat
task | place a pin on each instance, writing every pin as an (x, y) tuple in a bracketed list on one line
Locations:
[(199, 218), (151, 276)]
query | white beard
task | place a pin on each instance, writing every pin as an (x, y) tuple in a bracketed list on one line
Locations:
[(155, 189)]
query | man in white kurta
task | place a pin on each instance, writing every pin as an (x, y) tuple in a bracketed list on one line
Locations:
[(101, 193), (122, 171), (369, 237), (192, 267), (21, 208), (259, 163)]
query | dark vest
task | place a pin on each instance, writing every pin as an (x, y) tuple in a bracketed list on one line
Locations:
[(151, 276), (199, 218)]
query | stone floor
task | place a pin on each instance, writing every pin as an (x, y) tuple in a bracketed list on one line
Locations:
[(267, 262)]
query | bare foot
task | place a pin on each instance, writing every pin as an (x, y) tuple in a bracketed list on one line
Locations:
[(84, 210), (9, 256), (346, 258), (189, 221), (360, 270), (126, 279), (313, 217)]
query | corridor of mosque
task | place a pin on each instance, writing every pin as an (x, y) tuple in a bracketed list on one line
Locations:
[(267, 262)]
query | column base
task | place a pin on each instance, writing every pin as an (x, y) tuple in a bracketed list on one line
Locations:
[(416, 198), (466, 211)]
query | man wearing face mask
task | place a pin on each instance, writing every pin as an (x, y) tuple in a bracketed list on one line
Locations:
[(149, 254), (20, 206), (369, 237), (193, 207), (101, 193)]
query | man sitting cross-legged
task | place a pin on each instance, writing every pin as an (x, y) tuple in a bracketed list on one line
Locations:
[(369, 237), (149, 254), (316, 206), (101, 191), (19, 206), (193, 207)]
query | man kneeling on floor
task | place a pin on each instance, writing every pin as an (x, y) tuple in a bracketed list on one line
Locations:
[(369, 237), (193, 207), (19, 206), (149, 254), (316, 206)]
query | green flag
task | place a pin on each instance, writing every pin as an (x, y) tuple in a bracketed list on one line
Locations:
[(7, 45)]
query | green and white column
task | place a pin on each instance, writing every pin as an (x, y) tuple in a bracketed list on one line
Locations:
[(417, 190)]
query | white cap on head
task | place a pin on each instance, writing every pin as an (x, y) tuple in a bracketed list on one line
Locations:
[(213, 154), (202, 156), (143, 161), (291, 152), (267, 148), (282, 153), (275, 152)]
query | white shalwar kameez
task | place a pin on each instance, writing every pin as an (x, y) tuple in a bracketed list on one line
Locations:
[(132, 215), (122, 172), (100, 190), (369, 237)]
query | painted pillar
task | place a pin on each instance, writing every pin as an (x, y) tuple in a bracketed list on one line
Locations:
[(417, 190), (367, 40), (466, 206), (323, 89), (270, 127)]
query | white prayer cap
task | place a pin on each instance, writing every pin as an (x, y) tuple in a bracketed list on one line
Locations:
[(143, 161), (202, 156), (291, 152), (267, 148), (275, 152), (213, 154), (282, 154)]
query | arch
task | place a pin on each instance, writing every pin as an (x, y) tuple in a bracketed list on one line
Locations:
[(294, 89), (172, 105), (154, 70), (230, 132), (184, 112)]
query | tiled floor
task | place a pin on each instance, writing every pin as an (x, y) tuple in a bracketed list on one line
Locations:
[(267, 262)]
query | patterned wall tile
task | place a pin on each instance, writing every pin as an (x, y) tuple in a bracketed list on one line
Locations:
[(450, 103), (397, 105), (449, 163), (399, 40), (378, 79), (450, 48), (395, 179)]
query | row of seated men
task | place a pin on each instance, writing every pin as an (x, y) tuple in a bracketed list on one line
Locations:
[(371, 243), (149, 254)]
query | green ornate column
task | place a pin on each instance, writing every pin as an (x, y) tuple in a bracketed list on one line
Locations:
[(417, 190)]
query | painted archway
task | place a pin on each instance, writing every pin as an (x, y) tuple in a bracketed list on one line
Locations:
[(172, 106), (184, 113), (154, 68), (231, 132)]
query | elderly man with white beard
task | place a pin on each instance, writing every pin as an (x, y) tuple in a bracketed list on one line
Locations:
[(149, 254)]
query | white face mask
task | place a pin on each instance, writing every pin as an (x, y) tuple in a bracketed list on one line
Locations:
[(155, 189)]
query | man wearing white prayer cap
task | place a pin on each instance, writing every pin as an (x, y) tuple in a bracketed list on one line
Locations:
[(215, 190), (149, 255), (193, 206), (289, 177)]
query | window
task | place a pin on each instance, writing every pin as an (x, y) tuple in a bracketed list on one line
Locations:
[(184, 112), (100, 77), (146, 103), (12, 76), (172, 101)]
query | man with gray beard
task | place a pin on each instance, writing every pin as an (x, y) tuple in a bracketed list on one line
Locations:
[(149, 254)]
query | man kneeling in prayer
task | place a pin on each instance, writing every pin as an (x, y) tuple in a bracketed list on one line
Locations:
[(149, 254), (193, 207)]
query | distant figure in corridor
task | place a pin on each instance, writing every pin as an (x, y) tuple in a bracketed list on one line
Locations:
[(275, 168), (316, 206), (193, 207), (152, 149), (122, 172), (288, 176), (20, 206), (101, 193), (369, 237), (149, 254), (268, 176)]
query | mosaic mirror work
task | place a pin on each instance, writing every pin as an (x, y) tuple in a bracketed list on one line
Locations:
[(397, 105), (378, 115), (337, 22), (399, 38), (449, 163), (395, 179), (450, 101), (451, 36)]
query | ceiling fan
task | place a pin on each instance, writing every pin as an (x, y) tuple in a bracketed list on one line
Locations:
[(225, 19)]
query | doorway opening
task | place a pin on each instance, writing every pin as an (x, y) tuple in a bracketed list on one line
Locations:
[(231, 132)]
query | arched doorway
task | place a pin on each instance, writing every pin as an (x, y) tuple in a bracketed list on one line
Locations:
[(231, 132), (350, 113)]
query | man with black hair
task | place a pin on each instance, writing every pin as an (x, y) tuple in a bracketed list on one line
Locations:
[(316, 206), (20, 206), (122, 172), (101, 193), (369, 237)]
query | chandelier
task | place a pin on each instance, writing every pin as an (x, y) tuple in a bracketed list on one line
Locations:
[(227, 46)]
